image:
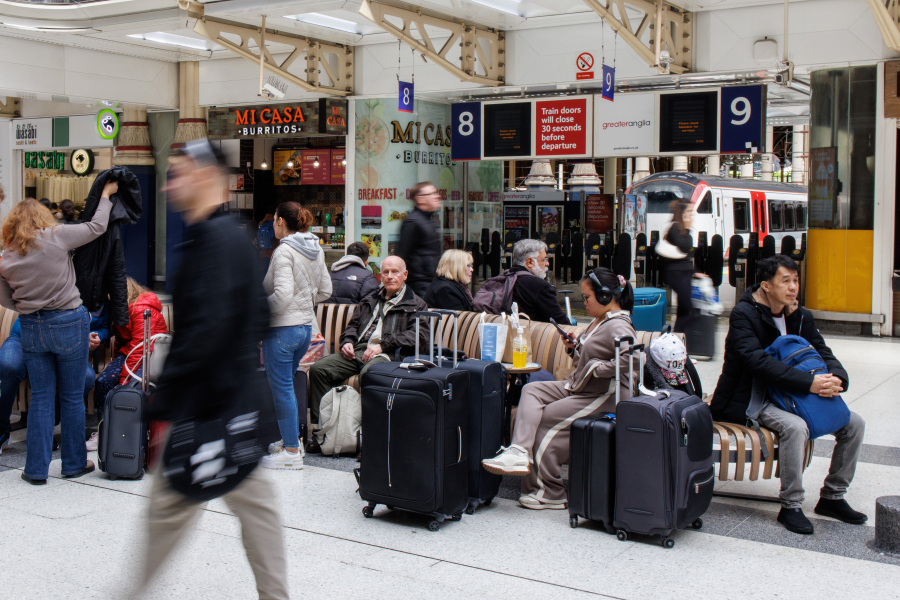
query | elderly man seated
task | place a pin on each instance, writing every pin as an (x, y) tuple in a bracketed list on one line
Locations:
[(382, 324), (535, 297)]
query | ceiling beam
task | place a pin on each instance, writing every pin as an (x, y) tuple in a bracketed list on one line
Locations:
[(672, 26), (482, 55), (887, 16)]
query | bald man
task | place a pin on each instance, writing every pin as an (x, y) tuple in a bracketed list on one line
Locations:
[(382, 329)]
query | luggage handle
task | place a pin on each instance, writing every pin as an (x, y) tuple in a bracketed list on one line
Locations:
[(145, 361), (619, 340), (428, 315), (455, 315)]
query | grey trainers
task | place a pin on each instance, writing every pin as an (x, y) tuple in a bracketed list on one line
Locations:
[(509, 461)]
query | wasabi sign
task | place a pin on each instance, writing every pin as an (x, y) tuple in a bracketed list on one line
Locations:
[(107, 123)]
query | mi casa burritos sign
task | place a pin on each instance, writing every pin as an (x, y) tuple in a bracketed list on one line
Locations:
[(324, 116)]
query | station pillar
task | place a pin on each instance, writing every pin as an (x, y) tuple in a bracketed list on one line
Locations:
[(798, 154), (641, 168)]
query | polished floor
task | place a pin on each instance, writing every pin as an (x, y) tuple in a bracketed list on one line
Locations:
[(83, 538)]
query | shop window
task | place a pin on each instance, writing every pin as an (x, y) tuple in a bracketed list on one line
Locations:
[(788, 217), (741, 216), (801, 218), (776, 216), (704, 207)]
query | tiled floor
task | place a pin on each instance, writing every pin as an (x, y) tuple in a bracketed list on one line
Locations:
[(83, 538)]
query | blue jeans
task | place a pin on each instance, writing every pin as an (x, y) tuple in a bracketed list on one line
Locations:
[(282, 353), (56, 351)]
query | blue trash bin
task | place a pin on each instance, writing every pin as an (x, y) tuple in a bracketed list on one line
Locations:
[(649, 312)]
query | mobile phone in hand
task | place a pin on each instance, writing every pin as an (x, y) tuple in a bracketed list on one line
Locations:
[(559, 329)]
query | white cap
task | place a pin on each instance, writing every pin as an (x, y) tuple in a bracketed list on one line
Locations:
[(669, 352)]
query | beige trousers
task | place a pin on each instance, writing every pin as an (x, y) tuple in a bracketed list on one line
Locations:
[(252, 502), (543, 422)]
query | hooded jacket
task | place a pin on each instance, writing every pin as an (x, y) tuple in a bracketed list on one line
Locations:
[(100, 264), (132, 336), (751, 329), (351, 281), (399, 329), (420, 247), (296, 281)]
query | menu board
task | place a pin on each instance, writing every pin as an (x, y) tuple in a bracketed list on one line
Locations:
[(310, 174), (286, 166), (507, 129), (689, 122), (338, 166), (562, 127)]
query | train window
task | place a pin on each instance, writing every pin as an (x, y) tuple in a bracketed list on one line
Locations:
[(661, 193), (741, 216), (788, 217), (776, 216), (704, 207), (801, 217)]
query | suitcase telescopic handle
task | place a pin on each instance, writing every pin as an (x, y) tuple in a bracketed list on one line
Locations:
[(455, 315), (145, 361), (619, 340), (428, 316)]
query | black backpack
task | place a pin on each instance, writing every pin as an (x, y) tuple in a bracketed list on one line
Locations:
[(495, 295)]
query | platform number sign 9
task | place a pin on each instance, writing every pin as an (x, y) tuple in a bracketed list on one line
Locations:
[(466, 131), (742, 122), (406, 99), (609, 82)]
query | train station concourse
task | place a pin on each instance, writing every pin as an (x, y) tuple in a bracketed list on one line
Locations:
[(699, 198)]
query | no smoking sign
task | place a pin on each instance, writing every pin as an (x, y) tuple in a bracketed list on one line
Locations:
[(584, 62)]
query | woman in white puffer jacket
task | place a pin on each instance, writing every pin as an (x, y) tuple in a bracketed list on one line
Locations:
[(296, 281)]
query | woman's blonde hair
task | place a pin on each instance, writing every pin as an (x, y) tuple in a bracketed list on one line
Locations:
[(453, 265), (22, 224), (134, 290)]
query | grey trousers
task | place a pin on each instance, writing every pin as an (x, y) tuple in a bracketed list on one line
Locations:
[(792, 437), (253, 502)]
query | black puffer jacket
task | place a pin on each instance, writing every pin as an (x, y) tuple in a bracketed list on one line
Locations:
[(420, 247), (751, 329), (399, 329), (537, 298), (351, 281), (447, 294), (100, 265)]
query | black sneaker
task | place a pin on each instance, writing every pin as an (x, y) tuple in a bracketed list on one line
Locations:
[(4, 441), (34, 481), (88, 468), (313, 447), (840, 510), (794, 520)]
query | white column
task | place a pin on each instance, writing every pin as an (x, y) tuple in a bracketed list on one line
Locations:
[(628, 173), (641, 168), (350, 183), (680, 164), (712, 165), (609, 174), (768, 159), (798, 156), (191, 116), (747, 171), (134, 147)]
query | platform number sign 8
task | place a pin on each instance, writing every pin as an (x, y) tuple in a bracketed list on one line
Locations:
[(742, 119), (406, 98), (609, 82), (466, 140)]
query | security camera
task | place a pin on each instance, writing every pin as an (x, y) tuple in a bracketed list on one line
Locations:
[(273, 92)]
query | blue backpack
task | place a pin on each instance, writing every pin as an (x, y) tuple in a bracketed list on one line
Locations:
[(822, 415)]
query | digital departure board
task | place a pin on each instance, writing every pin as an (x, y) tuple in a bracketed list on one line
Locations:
[(507, 129), (688, 122)]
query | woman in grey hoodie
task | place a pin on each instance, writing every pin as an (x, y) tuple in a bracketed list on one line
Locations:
[(296, 281)]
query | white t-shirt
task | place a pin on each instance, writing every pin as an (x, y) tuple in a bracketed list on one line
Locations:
[(780, 324)]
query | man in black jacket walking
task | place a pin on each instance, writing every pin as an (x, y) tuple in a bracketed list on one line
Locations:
[(420, 240), (765, 312)]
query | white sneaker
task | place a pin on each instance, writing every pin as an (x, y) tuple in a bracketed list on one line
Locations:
[(277, 446), (509, 461), (93, 442), (282, 460), (529, 501)]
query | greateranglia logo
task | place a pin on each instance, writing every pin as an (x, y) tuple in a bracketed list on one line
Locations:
[(638, 124)]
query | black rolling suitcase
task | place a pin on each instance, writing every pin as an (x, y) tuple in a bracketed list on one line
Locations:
[(415, 429), (700, 335), (592, 460), (664, 463), (124, 434)]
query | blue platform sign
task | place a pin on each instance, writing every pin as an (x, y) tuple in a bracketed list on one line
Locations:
[(406, 98), (609, 82), (742, 120), (466, 131)]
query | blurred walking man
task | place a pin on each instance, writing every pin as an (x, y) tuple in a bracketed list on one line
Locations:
[(220, 312)]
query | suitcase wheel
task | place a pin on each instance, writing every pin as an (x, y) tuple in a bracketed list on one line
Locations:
[(368, 512), (434, 525), (457, 517), (470, 509), (113, 477), (573, 521), (488, 501), (668, 543), (622, 535), (389, 507), (697, 524)]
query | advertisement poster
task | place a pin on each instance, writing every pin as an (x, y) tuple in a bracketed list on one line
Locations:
[(371, 217), (822, 187), (626, 127), (286, 166), (518, 220), (485, 191), (548, 220), (634, 215), (373, 243), (598, 211), (628, 215)]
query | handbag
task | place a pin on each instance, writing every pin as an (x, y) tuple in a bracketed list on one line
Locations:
[(667, 249), (161, 344)]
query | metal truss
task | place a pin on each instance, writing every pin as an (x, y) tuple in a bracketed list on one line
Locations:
[(672, 30), (317, 53), (10, 107), (482, 51), (887, 16)]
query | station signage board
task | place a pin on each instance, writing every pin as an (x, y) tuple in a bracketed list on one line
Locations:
[(466, 131), (626, 127), (563, 127), (742, 123), (688, 122), (325, 116), (506, 130)]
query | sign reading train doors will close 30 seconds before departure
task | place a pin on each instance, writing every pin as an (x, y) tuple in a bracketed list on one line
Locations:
[(563, 127)]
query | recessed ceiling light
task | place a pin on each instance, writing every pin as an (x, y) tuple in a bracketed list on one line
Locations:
[(161, 37), (510, 7), (326, 21), (48, 29)]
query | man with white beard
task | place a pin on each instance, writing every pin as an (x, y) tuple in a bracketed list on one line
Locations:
[(536, 297)]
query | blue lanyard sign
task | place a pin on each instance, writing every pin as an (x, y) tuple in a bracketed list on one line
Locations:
[(609, 82), (406, 98)]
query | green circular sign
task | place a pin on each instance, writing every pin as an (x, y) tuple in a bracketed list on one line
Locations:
[(107, 123)]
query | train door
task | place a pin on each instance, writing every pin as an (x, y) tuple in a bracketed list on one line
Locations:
[(704, 219), (739, 219), (718, 213), (758, 208)]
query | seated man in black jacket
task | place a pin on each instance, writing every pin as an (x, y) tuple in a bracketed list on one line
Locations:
[(382, 324), (351, 281), (766, 311), (535, 297)]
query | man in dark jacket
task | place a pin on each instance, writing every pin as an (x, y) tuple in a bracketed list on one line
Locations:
[(383, 324), (765, 312), (535, 297), (350, 279), (221, 313), (420, 240)]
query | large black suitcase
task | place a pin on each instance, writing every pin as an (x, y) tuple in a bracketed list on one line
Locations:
[(592, 459), (415, 430), (664, 463), (124, 434)]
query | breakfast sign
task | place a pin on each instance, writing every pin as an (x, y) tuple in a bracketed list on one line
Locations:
[(325, 116)]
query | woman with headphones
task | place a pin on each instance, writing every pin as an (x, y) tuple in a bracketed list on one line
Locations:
[(540, 443)]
